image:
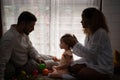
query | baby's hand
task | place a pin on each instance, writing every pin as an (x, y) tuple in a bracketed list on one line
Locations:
[(55, 58), (55, 68)]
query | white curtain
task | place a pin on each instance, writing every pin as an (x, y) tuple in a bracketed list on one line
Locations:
[(54, 19)]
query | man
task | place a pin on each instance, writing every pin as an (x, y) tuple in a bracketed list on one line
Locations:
[(16, 50)]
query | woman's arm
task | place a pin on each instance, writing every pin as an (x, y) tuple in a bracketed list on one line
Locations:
[(92, 46)]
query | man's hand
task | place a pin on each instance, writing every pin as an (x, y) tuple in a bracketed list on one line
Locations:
[(40, 60)]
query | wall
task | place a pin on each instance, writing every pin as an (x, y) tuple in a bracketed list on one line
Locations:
[(111, 9)]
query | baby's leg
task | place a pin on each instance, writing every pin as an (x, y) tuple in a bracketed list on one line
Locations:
[(55, 74)]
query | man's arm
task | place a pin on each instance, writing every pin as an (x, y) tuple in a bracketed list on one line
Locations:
[(5, 54), (33, 53)]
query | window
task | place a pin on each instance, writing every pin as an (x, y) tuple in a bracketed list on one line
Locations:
[(54, 18)]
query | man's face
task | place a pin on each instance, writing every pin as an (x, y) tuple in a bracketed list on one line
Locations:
[(29, 28)]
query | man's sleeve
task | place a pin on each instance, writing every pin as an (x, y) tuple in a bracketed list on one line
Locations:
[(5, 53)]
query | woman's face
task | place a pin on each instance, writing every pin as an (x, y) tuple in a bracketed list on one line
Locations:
[(84, 22)]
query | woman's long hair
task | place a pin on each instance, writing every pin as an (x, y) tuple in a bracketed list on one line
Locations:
[(95, 19)]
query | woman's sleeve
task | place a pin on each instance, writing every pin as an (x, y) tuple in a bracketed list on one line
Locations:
[(94, 45)]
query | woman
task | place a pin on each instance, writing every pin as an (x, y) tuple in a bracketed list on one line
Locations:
[(96, 61)]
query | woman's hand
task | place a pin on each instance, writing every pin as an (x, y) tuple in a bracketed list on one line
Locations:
[(75, 38)]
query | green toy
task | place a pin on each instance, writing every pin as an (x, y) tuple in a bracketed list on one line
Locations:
[(42, 66)]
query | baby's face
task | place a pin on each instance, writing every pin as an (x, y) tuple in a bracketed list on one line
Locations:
[(63, 45)]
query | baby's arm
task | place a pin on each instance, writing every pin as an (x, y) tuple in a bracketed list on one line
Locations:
[(55, 59)]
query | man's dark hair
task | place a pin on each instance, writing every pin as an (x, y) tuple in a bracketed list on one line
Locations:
[(26, 17)]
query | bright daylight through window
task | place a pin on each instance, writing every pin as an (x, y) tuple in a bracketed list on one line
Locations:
[(54, 19)]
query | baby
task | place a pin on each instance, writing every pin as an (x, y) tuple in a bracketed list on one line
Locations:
[(66, 43)]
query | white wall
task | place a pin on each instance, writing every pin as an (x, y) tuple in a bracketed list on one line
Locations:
[(111, 9)]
